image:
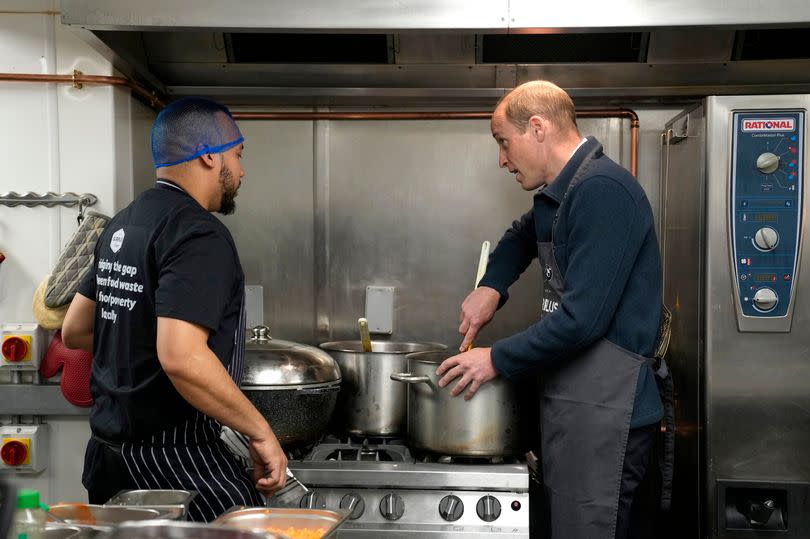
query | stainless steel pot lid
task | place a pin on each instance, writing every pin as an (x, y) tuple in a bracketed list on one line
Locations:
[(382, 347), (273, 362)]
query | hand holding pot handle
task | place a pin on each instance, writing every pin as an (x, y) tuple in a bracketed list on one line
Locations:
[(472, 368)]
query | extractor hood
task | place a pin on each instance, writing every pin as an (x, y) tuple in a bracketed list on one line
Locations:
[(451, 51)]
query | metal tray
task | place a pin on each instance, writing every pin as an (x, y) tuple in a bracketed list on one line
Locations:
[(76, 531), (172, 504), (278, 518), (99, 515), (170, 529)]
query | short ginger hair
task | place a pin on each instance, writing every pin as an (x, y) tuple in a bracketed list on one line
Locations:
[(541, 98)]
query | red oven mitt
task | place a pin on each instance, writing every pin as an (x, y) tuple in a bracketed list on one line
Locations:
[(75, 365)]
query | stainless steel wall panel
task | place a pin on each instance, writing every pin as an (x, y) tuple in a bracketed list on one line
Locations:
[(411, 203), (273, 224)]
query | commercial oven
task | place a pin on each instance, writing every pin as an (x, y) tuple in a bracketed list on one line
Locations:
[(737, 278)]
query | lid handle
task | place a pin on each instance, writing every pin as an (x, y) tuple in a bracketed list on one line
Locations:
[(261, 334)]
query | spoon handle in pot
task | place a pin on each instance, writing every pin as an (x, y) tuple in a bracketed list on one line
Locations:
[(365, 339), (482, 269)]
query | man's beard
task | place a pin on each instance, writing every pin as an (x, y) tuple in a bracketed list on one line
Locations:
[(227, 204)]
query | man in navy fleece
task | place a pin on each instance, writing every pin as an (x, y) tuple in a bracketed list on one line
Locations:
[(592, 229)]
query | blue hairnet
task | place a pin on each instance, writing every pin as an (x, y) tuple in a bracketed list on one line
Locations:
[(191, 127)]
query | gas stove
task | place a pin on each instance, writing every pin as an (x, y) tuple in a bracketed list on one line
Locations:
[(395, 492)]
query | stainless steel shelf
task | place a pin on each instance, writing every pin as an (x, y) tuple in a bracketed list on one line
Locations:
[(33, 399)]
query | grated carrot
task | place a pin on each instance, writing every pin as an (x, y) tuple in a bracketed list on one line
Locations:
[(299, 533)]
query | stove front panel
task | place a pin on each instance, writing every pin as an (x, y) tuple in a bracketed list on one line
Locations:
[(421, 516)]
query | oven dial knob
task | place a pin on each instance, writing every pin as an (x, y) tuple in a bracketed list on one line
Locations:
[(451, 508), (312, 500), (766, 239), (392, 507), (488, 508), (767, 163), (765, 299), (354, 503)]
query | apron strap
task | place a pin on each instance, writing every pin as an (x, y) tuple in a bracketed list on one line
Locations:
[(667, 459)]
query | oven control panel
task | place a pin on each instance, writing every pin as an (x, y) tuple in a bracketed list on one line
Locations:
[(767, 168)]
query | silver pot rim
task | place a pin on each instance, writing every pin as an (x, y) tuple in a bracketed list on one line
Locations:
[(432, 357), (382, 347), (292, 387)]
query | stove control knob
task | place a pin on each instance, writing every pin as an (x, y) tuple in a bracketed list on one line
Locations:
[(766, 239), (355, 503), (312, 500), (488, 508), (451, 508), (767, 163), (392, 507)]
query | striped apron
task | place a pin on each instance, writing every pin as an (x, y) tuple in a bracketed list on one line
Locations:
[(191, 456)]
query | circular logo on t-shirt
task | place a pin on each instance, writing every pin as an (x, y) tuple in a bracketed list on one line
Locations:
[(117, 240), (547, 272)]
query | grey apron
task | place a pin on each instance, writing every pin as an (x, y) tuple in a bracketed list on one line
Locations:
[(587, 404)]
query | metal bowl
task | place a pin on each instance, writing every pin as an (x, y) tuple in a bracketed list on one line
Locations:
[(169, 529)]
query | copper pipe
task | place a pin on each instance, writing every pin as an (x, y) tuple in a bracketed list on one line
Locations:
[(362, 115), (78, 78), (634, 125), (311, 116)]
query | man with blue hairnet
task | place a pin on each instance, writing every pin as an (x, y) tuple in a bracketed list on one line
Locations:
[(163, 314)]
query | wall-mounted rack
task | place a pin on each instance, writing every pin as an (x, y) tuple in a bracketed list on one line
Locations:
[(49, 199)]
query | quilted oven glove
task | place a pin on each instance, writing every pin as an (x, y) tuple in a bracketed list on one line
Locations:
[(75, 366), (75, 261)]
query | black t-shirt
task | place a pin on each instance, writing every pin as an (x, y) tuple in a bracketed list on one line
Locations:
[(163, 255)]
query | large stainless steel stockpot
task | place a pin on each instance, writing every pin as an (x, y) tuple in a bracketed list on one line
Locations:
[(294, 386), (489, 424), (370, 403)]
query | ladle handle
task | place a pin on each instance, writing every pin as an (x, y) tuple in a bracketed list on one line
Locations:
[(365, 339), (482, 269)]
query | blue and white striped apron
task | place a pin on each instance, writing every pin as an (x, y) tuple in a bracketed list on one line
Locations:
[(191, 456)]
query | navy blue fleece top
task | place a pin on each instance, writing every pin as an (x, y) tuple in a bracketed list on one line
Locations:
[(607, 251)]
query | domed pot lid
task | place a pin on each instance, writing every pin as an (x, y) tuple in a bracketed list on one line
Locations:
[(274, 362)]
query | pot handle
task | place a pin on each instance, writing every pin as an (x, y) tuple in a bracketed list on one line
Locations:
[(408, 378)]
